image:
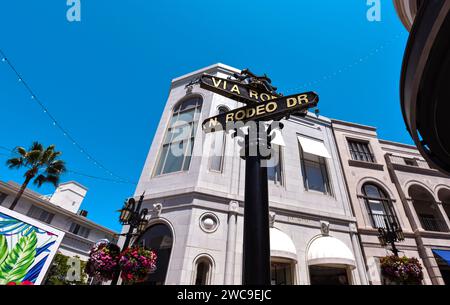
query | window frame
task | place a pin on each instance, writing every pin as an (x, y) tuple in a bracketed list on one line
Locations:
[(77, 228), (386, 202), (48, 216), (189, 141), (281, 181), (365, 144), (323, 166), (221, 109)]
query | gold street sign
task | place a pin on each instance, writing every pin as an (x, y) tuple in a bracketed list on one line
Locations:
[(243, 93), (274, 109)]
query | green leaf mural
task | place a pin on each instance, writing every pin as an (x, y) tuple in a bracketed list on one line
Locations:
[(19, 259), (3, 249)]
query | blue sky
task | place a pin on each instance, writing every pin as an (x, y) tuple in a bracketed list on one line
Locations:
[(106, 78)]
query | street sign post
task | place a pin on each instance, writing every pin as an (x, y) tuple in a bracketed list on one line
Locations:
[(262, 104)]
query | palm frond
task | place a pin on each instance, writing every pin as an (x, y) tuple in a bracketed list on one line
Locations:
[(36, 146), (41, 179), (34, 157), (21, 151), (15, 162), (56, 167), (39, 160)]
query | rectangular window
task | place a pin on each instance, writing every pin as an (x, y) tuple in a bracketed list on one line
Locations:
[(79, 230), (315, 174), (411, 162), (274, 166), (40, 214), (360, 151), (2, 197)]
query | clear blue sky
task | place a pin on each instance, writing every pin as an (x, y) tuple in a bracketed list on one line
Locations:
[(106, 78)]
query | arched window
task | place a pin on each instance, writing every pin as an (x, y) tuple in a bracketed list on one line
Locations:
[(203, 271), (176, 151), (159, 239), (379, 206), (218, 148)]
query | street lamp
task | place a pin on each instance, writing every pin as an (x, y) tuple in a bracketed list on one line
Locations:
[(131, 215), (390, 234)]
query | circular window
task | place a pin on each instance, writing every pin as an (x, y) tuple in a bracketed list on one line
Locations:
[(209, 222)]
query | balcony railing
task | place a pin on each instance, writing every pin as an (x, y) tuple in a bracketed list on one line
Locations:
[(433, 224), (409, 162), (384, 220)]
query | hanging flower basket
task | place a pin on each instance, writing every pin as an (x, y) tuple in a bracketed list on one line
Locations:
[(103, 261), (136, 263), (401, 270)]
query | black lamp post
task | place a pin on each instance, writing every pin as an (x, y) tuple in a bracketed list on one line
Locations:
[(131, 215), (390, 234)]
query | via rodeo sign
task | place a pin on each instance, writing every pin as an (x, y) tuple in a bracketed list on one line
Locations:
[(261, 106)]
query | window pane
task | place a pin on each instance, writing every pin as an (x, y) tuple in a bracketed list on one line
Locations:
[(185, 117), (360, 151), (180, 133), (274, 167), (162, 158), (2, 197), (315, 179), (202, 273), (372, 191), (217, 151), (74, 228), (175, 156), (187, 161), (191, 103)]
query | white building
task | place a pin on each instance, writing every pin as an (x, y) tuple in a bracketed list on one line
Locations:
[(196, 225), (62, 211)]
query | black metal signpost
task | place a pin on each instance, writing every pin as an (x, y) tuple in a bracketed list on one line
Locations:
[(263, 104)]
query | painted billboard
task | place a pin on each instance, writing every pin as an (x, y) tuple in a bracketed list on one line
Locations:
[(27, 248)]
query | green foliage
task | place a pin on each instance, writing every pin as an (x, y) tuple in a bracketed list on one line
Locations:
[(42, 163), (58, 272), (15, 265), (3, 249)]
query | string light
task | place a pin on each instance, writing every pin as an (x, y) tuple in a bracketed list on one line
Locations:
[(58, 125), (347, 67)]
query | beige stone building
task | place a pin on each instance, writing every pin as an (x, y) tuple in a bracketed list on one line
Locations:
[(391, 182)]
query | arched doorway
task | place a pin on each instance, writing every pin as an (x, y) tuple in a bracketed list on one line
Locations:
[(158, 238), (426, 209)]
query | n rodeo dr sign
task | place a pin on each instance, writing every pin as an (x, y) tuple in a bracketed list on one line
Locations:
[(274, 109)]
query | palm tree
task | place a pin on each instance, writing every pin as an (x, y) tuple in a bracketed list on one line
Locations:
[(43, 166)]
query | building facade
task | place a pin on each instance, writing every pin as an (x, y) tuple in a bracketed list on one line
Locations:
[(196, 200), (60, 210), (390, 181)]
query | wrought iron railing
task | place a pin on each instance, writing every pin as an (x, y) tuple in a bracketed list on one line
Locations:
[(384, 220), (433, 224)]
